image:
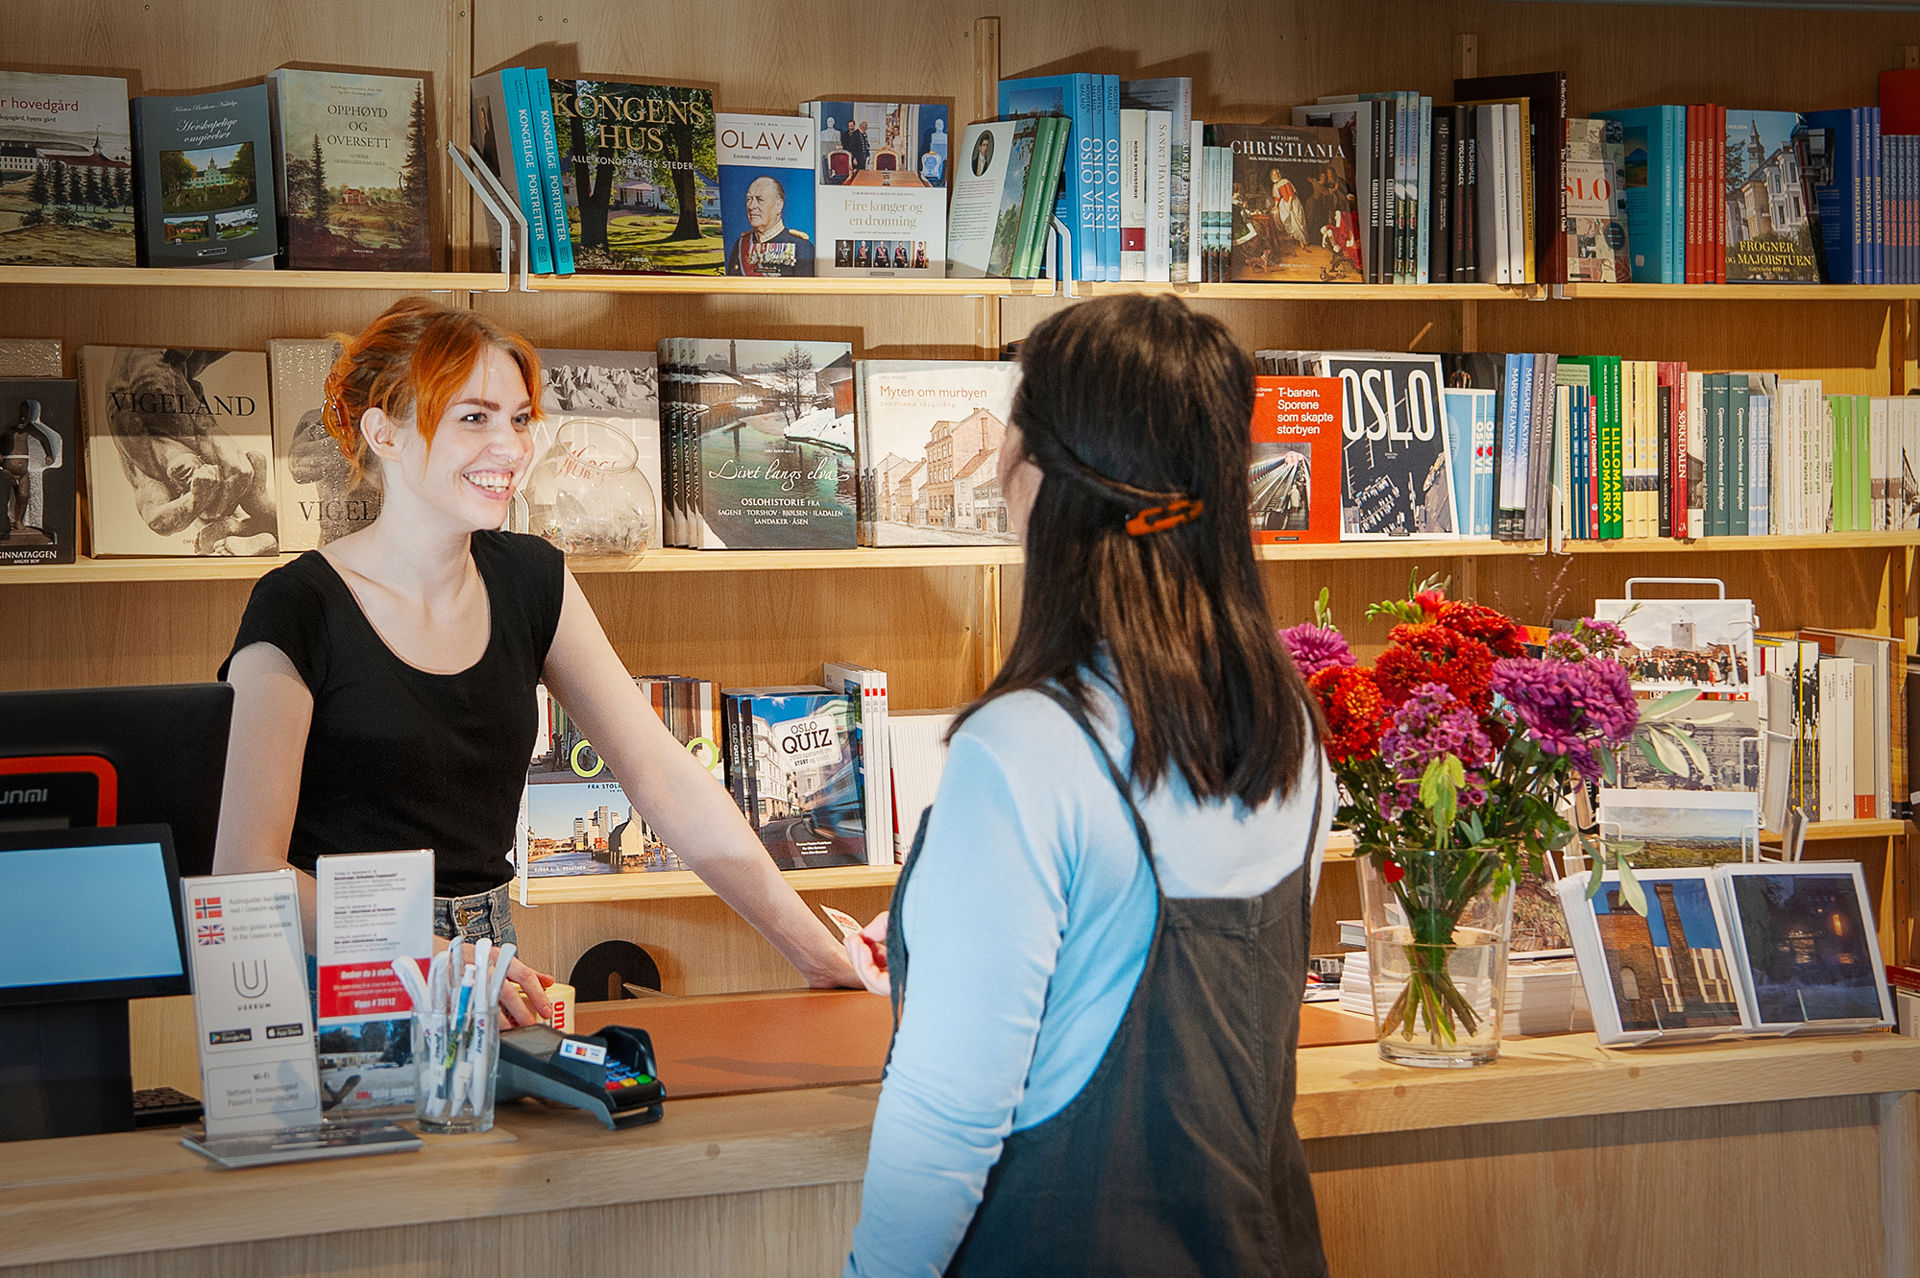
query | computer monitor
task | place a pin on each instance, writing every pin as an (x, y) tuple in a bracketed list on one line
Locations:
[(75, 757), (89, 919)]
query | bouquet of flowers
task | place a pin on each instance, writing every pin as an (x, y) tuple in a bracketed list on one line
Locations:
[(1459, 746)]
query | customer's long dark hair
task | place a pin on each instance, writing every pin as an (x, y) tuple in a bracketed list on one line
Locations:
[(1128, 403)]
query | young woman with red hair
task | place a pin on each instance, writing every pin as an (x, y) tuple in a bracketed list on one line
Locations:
[(384, 685)]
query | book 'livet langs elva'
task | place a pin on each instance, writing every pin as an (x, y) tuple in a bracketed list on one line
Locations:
[(759, 437)]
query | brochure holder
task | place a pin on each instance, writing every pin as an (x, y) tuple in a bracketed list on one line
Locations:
[(500, 206), (258, 1077)]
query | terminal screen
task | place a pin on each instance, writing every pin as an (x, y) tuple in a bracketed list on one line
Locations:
[(71, 915)]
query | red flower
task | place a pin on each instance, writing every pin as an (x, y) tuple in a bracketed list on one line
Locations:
[(1354, 711), (1477, 621), (1392, 872), (1427, 653), (1432, 603)]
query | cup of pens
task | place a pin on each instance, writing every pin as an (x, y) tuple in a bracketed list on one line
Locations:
[(456, 1035)]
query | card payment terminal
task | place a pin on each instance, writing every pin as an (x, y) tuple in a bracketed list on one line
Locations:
[(609, 1074)]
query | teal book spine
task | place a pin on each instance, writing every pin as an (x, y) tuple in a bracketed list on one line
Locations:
[(552, 189), (526, 169)]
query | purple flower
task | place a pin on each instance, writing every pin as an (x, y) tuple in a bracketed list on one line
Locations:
[(1568, 707), (1604, 637), (1564, 647), (1316, 648), (1430, 724)]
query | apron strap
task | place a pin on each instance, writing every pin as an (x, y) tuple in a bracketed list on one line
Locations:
[(1120, 782)]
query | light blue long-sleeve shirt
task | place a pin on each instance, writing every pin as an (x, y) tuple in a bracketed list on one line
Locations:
[(1028, 918)]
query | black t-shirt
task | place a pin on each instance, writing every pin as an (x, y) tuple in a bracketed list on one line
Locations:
[(398, 758)]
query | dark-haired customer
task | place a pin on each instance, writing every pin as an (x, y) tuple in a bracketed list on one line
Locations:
[(1099, 944)]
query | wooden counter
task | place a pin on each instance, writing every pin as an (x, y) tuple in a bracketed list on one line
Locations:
[(1794, 1158)]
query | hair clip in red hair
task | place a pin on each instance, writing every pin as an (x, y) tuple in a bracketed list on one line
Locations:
[(1155, 519)]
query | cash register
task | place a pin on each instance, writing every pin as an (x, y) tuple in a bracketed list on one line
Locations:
[(609, 1074)]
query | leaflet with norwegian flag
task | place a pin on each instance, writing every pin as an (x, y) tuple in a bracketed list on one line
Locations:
[(249, 970)]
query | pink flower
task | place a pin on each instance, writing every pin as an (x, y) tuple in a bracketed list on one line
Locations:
[(1316, 648)]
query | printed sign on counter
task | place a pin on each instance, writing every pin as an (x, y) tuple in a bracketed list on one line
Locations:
[(369, 909), (250, 1002)]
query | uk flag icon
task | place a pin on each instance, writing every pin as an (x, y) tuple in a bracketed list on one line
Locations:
[(210, 934)]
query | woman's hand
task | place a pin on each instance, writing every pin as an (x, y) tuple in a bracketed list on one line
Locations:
[(867, 951), (524, 995)]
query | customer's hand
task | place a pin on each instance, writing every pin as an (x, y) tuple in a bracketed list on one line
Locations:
[(867, 950)]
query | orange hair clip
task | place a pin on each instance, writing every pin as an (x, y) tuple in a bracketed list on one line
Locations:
[(1160, 518)]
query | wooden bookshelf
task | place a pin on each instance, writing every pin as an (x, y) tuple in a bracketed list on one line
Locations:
[(674, 885), (1770, 544), (1831, 831), (864, 558), (824, 286), (185, 569), (1278, 292), (299, 281), (1740, 292)]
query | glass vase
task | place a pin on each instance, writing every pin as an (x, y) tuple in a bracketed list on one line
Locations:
[(588, 495), (1437, 938)]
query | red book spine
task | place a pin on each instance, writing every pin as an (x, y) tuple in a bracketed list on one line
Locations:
[(1696, 136), (1716, 197)]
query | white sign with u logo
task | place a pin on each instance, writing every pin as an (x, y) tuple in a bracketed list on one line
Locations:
[(250, 1002)]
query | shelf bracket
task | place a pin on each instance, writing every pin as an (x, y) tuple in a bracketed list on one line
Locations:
[(500, 206)]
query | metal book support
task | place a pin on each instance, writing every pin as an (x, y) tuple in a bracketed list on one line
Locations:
[(503, 208)]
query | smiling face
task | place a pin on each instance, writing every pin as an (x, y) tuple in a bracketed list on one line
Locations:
[(480, 453)]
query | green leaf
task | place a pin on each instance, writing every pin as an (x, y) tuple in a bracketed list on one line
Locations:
[(1609, 767), (1694, 752), (1671, 701), (1667, 754), (1322, 611), (1594, 879), (1630, 888), (1440, 789)]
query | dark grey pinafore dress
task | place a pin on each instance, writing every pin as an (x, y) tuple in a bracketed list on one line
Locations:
[(1179, 1156)]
